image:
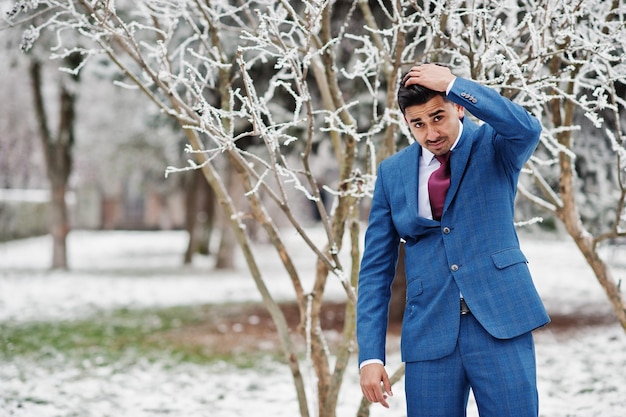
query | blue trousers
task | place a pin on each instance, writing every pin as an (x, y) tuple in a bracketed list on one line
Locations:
[(501, 374)]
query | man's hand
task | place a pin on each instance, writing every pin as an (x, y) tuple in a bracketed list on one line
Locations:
[(430, 76), (375, 384)]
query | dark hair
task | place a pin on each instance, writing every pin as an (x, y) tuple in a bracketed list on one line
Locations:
[(414, 94)]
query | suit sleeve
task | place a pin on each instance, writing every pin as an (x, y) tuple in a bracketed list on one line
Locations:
[(376, 275), (516, 132)]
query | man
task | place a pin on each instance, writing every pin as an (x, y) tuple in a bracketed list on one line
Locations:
[(471, 303)]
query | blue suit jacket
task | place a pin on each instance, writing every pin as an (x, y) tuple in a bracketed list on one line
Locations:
[(474, 249)]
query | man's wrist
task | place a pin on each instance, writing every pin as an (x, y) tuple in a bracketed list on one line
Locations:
[(450, 85), (370, 362)]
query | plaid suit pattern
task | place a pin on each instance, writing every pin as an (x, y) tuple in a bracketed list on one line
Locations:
[(473, 249)]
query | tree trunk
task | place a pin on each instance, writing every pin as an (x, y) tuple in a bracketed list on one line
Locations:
[(57, 152), (562, 114), (586, 243), (59, 226), (228, 242), (191, 214)]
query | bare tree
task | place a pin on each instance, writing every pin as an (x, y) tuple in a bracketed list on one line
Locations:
[(57, 149), (562, 60), (585, 68), (56, 142), (199, 215), (289, 78)]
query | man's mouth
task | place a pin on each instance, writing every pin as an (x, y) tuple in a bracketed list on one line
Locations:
[(437, 143)]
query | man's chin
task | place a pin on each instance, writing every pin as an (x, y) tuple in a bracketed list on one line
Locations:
[(439, 148)]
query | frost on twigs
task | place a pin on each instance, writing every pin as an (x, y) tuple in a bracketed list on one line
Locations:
[(173, 170), (529, 222), (22, 6), (207, 155), (29, 37), (357, 185), (291, 177)]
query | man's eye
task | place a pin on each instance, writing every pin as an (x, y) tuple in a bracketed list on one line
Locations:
[(418, 125)]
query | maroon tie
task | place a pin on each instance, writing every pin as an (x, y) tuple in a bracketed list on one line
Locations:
[(438, 185)]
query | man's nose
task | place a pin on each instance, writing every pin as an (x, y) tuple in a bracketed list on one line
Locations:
[(431, 133)]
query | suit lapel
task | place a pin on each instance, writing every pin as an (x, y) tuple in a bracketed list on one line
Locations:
[(458, 159), (410, 163)]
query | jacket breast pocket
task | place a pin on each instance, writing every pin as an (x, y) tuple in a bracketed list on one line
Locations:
[(414, 288), (507, 257)]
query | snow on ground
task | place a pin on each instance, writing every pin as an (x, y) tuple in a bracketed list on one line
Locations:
[(580, 373), (120, 269)]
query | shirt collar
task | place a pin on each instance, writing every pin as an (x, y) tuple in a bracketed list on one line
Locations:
[(427, 156)]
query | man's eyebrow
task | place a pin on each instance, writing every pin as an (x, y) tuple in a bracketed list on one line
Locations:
[(433, 114)]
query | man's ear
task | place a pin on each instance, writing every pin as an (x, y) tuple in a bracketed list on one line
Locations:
[(460, 110)]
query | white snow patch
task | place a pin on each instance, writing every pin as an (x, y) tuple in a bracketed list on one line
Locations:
[(580, 373)]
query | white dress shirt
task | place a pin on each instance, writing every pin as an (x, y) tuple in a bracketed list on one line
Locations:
[(427, 165)]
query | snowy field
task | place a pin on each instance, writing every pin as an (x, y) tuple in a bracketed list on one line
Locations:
[(581, 372)]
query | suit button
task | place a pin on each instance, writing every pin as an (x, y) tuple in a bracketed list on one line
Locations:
[(446, 230), (454, 267)]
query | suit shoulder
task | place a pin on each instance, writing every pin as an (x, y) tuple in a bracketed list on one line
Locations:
[(411, 151)]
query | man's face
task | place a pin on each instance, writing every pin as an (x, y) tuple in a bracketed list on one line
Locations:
[(435, 124)]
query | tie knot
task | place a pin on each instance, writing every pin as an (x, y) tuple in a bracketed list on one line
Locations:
[(443, 158)]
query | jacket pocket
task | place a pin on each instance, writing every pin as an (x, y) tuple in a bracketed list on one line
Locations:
[(508, 257), (414, 288)]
